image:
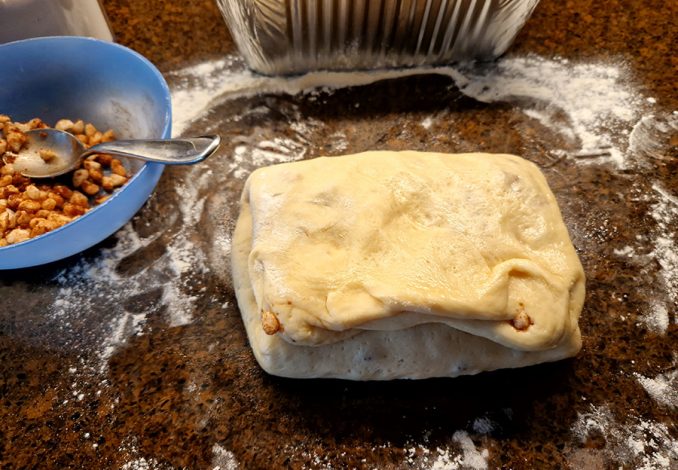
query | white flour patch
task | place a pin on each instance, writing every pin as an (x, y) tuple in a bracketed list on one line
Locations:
[(223, 459), (338, 141), (141, 464), (665, 252), (663, 388), (201, 84), (656, 319), (86, 286), (90, 285), (471, 457), (583, 102), (462, 454), (253, 151), (263, 153), (203, 241), (662, 239), (136, 462), (665, 213), (639, 444), (223, 243), (591, 105), (626, 252)]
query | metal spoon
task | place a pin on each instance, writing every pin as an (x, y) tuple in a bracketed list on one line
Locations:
[(50, 152)]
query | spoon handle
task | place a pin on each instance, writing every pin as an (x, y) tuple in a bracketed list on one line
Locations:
[(182, 151)]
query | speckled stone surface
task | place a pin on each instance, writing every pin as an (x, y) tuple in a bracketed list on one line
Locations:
[(75, 395)]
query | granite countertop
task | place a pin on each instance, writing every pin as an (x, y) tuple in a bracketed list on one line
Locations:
[(132, 354)]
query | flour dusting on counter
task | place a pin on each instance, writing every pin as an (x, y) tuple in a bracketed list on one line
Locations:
[(665, 213), (90, 281), (250, 154), (461, 454), (584, 102), (637, 443), (663, 388), (661, 258), (142, 464), (134, 461), (590, 105), (166, 270), (166, 285), (656, 319), (223, 459)]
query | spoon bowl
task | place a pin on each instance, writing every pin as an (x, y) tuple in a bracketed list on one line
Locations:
[(52, 152)]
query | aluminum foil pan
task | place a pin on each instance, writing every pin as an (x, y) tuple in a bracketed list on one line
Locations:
[(295, 36)]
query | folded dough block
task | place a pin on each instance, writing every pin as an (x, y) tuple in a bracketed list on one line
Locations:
[(386, 265)]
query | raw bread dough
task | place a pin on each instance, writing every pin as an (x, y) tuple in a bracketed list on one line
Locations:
[(389, 265)]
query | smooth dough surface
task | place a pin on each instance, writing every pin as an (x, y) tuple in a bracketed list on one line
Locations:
[(405, 265)]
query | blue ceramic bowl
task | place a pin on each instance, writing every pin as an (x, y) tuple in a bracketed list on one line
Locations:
[(100, 82)]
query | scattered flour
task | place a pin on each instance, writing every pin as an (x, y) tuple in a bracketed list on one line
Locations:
[(665, 252), (134, 461), (338, 141), (267, 152), (592, 97), (664, 387), (627, 252), (586, 103), (89, 284), (200, 84), (141, 464), (472, 457), (663, 238), (223, 459), (656, 319), (639, 444), (463, 454), (427, 122), (665, 213)]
